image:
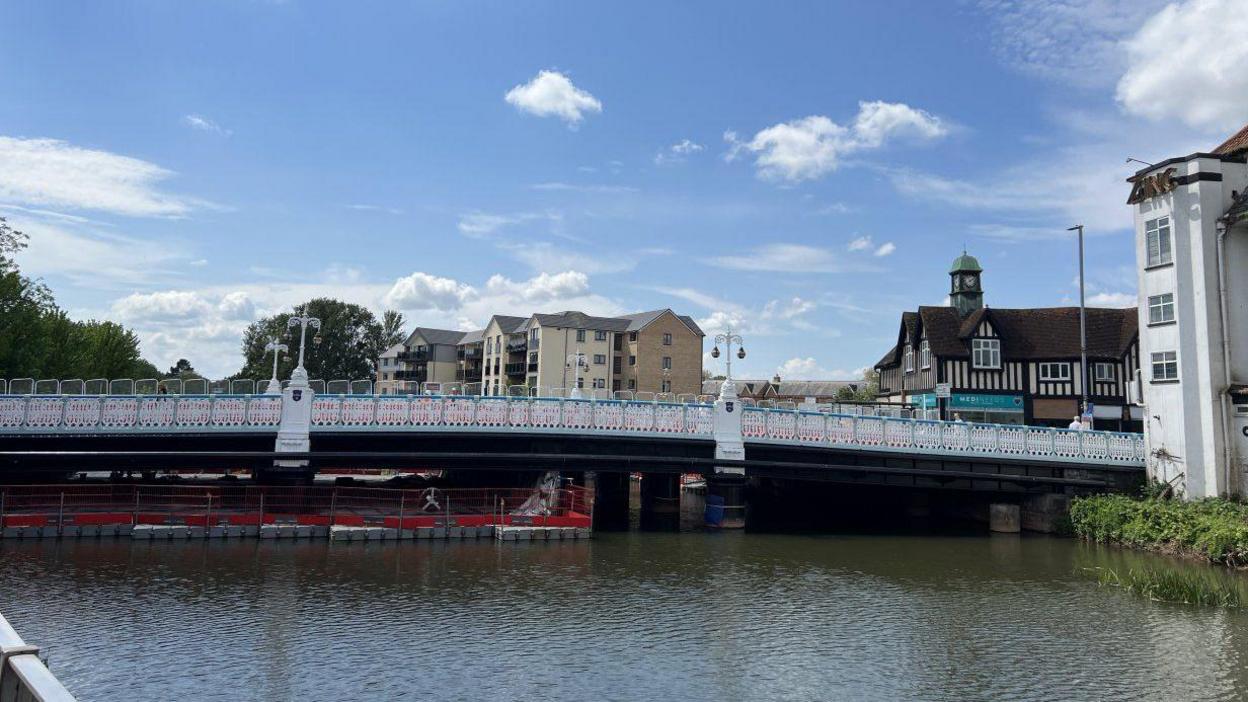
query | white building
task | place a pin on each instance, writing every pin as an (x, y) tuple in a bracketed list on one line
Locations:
[(1191, 234)]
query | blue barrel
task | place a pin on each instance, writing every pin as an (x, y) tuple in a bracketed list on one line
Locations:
[(714, 514)]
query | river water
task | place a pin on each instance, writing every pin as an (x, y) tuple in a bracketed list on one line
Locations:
[(626, 616)]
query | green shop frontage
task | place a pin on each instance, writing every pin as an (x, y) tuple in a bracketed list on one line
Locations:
[(973, 407)]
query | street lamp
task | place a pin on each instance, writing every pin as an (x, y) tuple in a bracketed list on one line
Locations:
[(1083, 330), (275, 345), (577, 361), (729, 388), (300, 375)]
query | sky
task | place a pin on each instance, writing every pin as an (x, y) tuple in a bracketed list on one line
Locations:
[(801, 172)]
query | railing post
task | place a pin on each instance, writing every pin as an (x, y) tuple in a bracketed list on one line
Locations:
[(208, 516), (402, 497), (333, 506), (260, 522), (996, 438), (1052, 441), (60, 516)]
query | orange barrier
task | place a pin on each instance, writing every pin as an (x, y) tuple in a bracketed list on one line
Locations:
[(253, 505)]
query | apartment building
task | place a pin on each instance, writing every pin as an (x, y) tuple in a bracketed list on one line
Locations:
[(427, 356), (655, 351)]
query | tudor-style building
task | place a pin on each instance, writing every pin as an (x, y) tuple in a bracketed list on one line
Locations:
[(1012, 366)]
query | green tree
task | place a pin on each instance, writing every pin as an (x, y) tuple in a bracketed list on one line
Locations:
[(182, 369), (342, 354), (386, 334), (870, 386)]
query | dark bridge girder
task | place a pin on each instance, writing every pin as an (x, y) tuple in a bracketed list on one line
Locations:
[(520, 451)]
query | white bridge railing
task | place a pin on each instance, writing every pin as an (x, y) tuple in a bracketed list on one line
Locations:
[(41, 414)]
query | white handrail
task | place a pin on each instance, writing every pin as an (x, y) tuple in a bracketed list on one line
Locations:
[(23, 676)]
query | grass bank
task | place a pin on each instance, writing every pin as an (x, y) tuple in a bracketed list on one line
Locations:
[(1214, 529), (1204, 587)]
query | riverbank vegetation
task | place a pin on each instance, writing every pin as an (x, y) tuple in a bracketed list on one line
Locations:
[(1185, 586), (1214, 529)]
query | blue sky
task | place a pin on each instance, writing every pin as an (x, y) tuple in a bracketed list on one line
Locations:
[(804, 171)]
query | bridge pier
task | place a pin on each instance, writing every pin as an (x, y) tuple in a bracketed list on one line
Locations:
[(726, 494), (660, 501), (610, 500)]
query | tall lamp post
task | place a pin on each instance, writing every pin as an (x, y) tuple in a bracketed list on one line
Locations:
[(275, 345), (300, 375), (729, 388), (576, 361), (1083, 327)]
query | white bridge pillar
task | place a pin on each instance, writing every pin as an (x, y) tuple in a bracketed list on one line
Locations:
[(726, 486), (293, 432)]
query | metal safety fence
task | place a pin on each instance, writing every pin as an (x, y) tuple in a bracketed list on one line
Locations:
[(70, 508)]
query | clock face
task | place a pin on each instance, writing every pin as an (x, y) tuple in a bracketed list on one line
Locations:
[(968, 281)]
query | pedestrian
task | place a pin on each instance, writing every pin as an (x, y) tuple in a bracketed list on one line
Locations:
[(1076, 424), (957, 417), (162, 390)]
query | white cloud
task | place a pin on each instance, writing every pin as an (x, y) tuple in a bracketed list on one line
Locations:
[(1112, 299), (165, 306), (813, 146), (421, 291), (50, 172), (203, 124), (803, 369), (677, 153), (860, 244), (1190, 62), (95, 257), (584, 188), (541, 289), (788, 258), (1066, 41), (885, 249), (362, 207), (236, 305), (481, 224), (551, 93), (544, 256)]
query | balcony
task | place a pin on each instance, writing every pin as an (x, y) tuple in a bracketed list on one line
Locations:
[(473, 352), (419, 376), (517, 346), (515, 368), (414, 355)]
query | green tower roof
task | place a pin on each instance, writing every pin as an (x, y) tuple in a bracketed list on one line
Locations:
[(965, 262)]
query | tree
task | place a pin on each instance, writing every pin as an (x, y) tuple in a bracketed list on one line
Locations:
[(342, 354), (870, 386), (386, 334), (182, 369)]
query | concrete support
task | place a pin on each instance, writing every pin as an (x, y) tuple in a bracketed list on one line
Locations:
[(610, 499), (660, 501), (726, 501), (1004, 518), (1043, 513)]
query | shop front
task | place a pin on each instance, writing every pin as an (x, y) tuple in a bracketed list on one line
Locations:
[(973, 407)]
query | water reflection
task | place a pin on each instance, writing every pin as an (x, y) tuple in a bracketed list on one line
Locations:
[(627, 616)]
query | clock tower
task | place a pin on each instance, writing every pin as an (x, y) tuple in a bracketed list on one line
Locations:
[(965, 292)]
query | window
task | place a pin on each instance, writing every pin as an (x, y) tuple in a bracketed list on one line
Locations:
[(489, 345), (600, 359), (1103, 372), (580, 334), (580, 383), (600, 336), (632, 384), (1161, 308), (1054, 371), (600, 383), (632, 360), (532, 357), (533, 334), (986, 353), (1157, 239), (909, 359), (925, 355), (1166, 365), (667, 339), (667, 363), (632, 336), (666, 386)]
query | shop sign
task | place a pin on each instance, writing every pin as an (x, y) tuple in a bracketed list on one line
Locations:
[(1150, 186), (998, 403)]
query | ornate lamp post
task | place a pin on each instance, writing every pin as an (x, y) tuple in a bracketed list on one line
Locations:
[(577, 361), (300, 375), (275, 385), (729, 389)]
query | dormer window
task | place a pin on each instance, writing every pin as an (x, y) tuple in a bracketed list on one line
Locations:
[(925, 355), (909, 359), (986, 353)]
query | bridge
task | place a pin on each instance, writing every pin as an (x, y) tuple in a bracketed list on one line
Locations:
[(727, 441)]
